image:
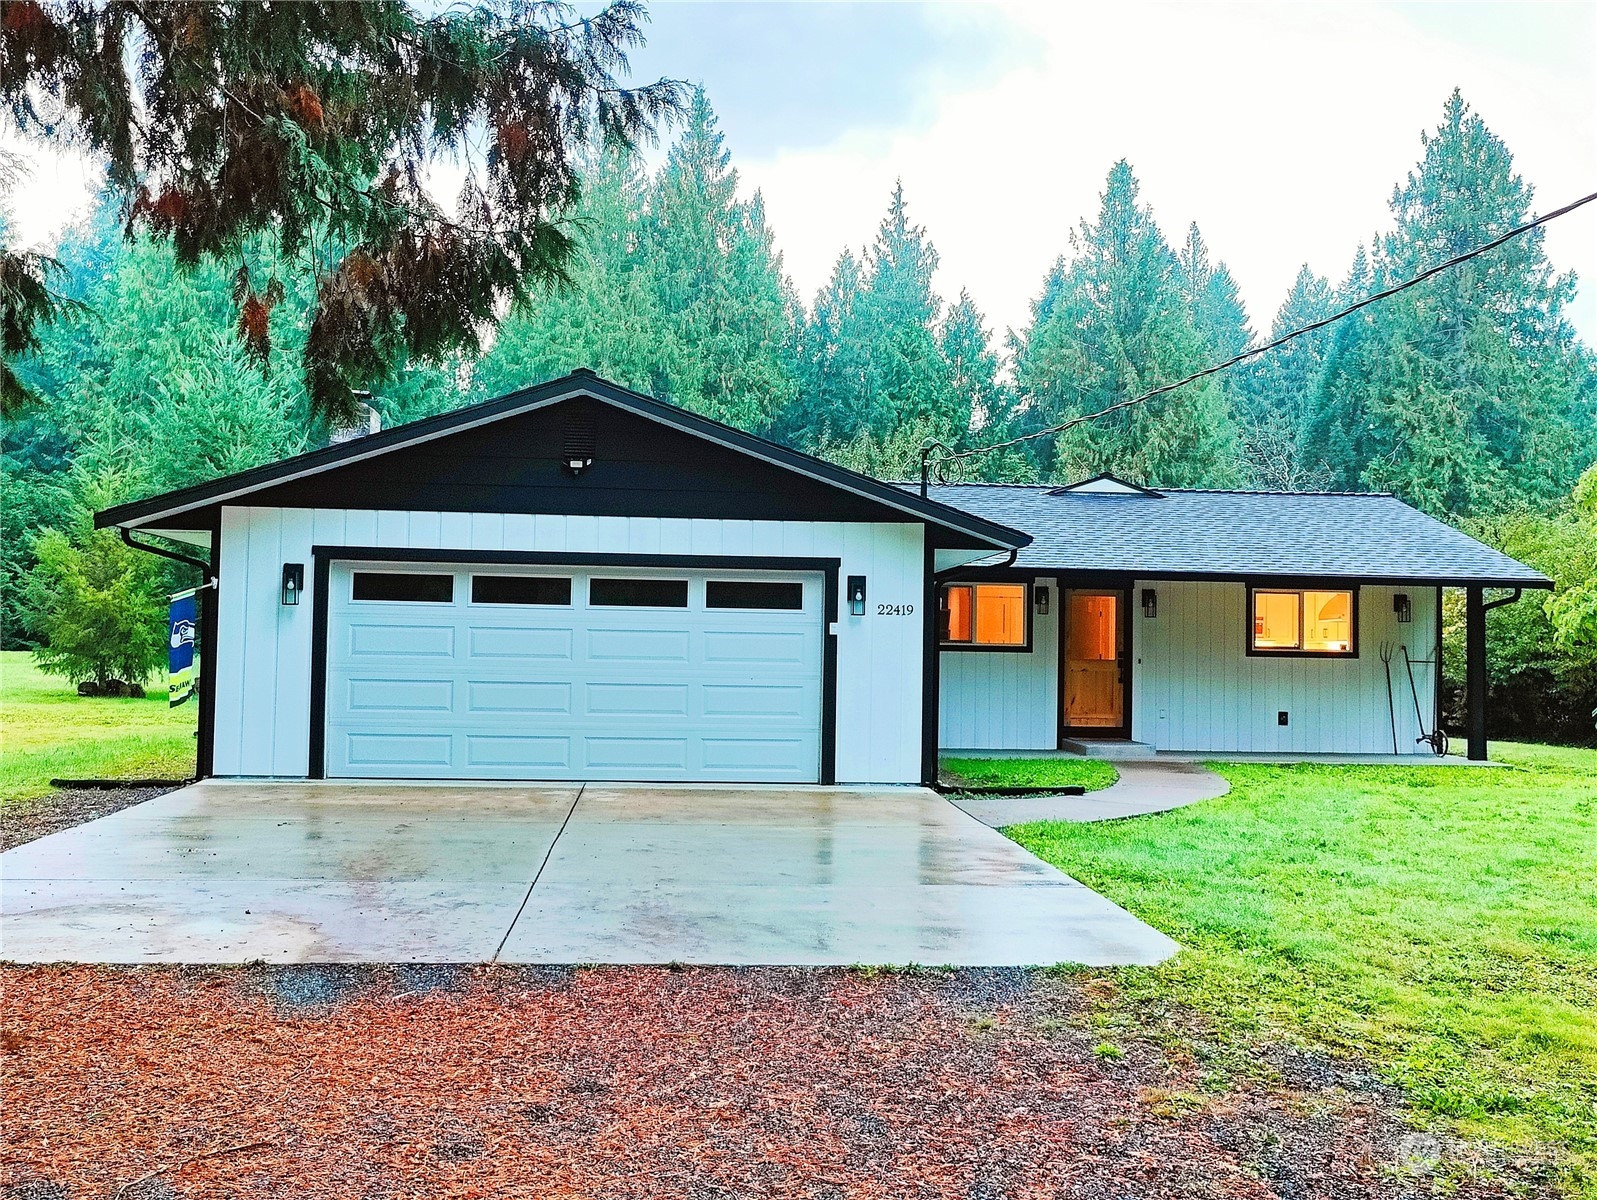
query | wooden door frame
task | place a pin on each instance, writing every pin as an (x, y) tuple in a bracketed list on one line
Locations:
[(1124, 591)]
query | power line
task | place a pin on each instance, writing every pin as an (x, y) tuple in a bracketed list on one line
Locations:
[(1254, 352)]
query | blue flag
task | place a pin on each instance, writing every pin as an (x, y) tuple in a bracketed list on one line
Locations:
[(180, 656)]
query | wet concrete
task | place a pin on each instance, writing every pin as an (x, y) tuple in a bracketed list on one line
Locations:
[(1143, 788), (287, 872)]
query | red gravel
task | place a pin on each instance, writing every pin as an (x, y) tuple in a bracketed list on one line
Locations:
[(616, 1083)]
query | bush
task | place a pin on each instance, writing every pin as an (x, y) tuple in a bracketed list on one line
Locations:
[(1541, 653), (100, 606)]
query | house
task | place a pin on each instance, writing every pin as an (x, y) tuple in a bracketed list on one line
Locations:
[(576, 581)]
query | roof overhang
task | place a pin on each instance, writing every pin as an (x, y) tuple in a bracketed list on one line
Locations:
[(170, 510)]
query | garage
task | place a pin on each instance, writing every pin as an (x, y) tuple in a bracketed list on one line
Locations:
[(438, 670)]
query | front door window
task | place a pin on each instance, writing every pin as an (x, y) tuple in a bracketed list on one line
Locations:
[(1094, 654)]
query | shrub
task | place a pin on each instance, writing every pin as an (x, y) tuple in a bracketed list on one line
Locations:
[(100, 606)]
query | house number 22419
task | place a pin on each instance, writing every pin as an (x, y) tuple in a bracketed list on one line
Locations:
[(895, 610)]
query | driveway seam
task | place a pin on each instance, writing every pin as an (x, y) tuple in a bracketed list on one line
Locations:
[(537, 875)]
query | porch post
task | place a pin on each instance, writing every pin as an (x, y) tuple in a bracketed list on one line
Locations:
[(1475, 670), (931, 671)]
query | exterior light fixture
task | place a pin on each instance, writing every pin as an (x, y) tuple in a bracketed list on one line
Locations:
[(293, 582), (1402, 607), (1042, 601), (1150, 603), (856, 595)]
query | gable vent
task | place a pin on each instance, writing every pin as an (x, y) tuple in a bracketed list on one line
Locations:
[(579, 442)]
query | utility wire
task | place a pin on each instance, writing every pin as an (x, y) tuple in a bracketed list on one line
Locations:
[(1254, 352)]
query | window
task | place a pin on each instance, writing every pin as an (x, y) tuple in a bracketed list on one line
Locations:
[(519, 589), (737, 593), (639, 593), (415, 589), (1302, 621), (986, 615)]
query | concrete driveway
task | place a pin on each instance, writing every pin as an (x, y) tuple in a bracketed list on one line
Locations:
[(379, 872)]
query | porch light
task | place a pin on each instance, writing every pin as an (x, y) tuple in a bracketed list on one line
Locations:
[(856, 595), (1042, 601), (293, 582), (1150, 603), (1403, 609)]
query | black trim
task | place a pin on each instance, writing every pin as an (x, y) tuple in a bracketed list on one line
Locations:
[(210, 616), (1252, 651), (325, 556), (578, 383), (973, 647), (1102, 476), (1123, 592), (1154, 574), (931, 672), (1475, 681)]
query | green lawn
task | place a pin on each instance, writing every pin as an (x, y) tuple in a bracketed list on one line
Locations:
[(48, 731), (1440, 922), (1029, 772)]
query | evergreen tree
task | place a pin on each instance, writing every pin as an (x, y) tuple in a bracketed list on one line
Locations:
[(1279, 389), (1468, 393), (718, 283), (1111, 324), (972, 366), (1213, 299)]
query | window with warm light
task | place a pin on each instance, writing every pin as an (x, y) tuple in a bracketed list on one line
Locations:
[(986, 615), (1302, 621)]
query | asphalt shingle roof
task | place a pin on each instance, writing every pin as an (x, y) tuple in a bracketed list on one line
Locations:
[(1179, 532)]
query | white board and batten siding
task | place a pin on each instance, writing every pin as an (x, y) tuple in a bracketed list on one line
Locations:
[(263, 665), (1196, 688), (1003, 700)]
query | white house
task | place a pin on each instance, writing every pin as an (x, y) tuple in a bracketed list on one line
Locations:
[(576, 581)]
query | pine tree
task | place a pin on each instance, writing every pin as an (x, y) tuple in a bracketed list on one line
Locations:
[(1114, 323), (1278, 391)]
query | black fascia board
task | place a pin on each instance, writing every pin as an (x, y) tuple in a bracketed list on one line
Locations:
[(580, 382)]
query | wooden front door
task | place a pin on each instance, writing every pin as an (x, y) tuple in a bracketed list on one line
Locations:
[(1094, 693)]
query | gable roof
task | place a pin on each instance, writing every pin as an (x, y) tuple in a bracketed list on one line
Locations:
[(1181, 533), (172, 508)]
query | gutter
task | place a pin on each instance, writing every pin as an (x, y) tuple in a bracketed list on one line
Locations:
[(175, 556)]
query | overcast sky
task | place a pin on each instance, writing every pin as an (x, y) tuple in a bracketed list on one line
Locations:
[(1280, 128)]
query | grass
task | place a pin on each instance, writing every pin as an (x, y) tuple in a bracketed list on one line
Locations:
[(48, 731), (1030, 772), (1439, 922)]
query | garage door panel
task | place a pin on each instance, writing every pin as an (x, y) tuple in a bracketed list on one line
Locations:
[(639, 645), (636, 699), (517, 696), (493, 690), (636, 753), (755, 648), (754, 701), (398, 749), (520, 642), (401, 695), (369, 638), (497, 753)]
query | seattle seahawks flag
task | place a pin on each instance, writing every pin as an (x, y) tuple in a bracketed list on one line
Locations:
[(180, 655)]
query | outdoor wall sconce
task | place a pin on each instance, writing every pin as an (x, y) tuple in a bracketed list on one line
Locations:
[(1150, 603), (1042, 601), (856, 595), (1403, 609), (293, 582)]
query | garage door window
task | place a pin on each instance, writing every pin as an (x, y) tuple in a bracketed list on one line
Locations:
[(751, 594), (638, 593), (520, 589), (411, 588)]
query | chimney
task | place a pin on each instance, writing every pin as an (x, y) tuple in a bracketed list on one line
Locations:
[(367, 420)]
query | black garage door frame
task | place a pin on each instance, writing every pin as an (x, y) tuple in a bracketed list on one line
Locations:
[(324, 557)]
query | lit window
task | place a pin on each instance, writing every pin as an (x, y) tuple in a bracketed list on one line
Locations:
[(1302, 621), (985, 614)]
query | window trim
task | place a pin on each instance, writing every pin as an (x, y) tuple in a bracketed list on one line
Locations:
[(1300, 586), (974, 647)]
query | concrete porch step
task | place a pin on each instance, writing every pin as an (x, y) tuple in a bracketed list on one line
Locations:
[(1114, 749)]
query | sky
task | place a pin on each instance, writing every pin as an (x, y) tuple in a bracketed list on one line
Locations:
[(1280, 128)]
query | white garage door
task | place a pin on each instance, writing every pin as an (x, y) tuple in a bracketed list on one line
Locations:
[(453, 671)]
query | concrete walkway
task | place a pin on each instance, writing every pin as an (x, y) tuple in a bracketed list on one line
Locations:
[(1143, 787), (228, 872)]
